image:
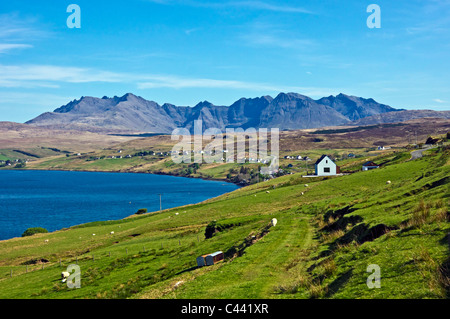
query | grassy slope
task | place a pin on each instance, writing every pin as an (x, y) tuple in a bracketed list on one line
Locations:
[(314, 251)]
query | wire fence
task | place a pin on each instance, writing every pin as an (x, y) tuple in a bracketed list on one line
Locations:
[(42, 264)]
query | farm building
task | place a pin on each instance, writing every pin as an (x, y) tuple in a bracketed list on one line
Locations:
[(326, 167), (201, 260), (214, 258), (369, 165)]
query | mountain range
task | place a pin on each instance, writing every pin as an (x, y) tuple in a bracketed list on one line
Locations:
[(287, 111)]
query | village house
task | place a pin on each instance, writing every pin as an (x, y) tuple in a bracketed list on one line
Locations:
[(369, 165), (326, 167)]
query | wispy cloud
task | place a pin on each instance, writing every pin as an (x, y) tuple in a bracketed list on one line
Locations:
[(439, 101), (17, 32), (5, 47), (50, 76), (190, 31), (264, 34), (41, 75), (176, 82), (260, 5), (253, 5), (38, 99)]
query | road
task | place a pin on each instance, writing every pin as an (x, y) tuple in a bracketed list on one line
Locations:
[(419, 153)]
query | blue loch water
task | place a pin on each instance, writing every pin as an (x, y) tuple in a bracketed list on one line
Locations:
[(60, 199)]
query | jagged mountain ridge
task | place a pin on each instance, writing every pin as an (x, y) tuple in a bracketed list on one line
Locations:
[(285, 111)]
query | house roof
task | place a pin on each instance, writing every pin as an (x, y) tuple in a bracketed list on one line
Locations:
[(370, 163), (321, 159)]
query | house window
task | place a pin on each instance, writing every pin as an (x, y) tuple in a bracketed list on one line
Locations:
[(326, 169), (326, 161)]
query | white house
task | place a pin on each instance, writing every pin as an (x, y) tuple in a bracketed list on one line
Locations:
[(326, 167)]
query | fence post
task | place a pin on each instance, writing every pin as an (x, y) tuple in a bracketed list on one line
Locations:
[(448, 239)]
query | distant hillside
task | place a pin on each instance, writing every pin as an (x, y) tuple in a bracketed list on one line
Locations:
[(134, 113), (401, 116)]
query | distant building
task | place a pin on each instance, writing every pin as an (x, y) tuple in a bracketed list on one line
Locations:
[(369, 165), (326, 167)]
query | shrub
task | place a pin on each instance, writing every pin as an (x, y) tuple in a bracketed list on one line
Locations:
[(141, 211), (216, 227), (34, 230)]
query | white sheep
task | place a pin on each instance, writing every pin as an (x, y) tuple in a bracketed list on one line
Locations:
[(46, 241), (64, 276), (267, 192), (388, 182), (178, 283), (274, 221), (306, 185), (112, 233)]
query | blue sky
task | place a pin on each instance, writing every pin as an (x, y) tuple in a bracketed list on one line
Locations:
[(184, 52)]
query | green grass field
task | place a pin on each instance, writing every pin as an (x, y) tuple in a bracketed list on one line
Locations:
[(327, 234)]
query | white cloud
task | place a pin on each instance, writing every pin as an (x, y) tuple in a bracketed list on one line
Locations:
[(176, 82), (255, 5), (16, 32), (50, 76), (260, 5), (39, 99), (5, 47), (439, 101), (41, 75)]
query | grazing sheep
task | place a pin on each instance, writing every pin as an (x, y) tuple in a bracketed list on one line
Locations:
[(306, 185), (46, 241), (64, 276), (303, 193), (93, 234), (177, 213), (267, 192), (112, 233), (388, 182), (178, 283), (274, 221)]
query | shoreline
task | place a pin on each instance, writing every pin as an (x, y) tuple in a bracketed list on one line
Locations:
[(130, 172)]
